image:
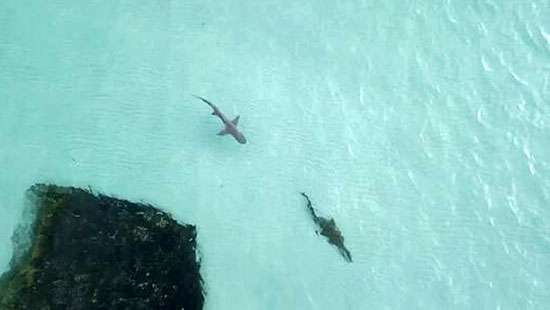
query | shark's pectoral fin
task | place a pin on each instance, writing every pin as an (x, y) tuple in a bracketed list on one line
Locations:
[(236, 120), (223, 132)]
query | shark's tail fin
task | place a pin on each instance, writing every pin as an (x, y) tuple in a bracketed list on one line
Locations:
[(204, 100)]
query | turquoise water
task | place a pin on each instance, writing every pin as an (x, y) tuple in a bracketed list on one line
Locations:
[(421, 127)]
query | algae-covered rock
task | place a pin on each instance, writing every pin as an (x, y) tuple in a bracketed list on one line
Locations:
[(90, 251)]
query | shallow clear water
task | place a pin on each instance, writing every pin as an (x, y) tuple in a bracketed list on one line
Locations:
[(422, 128)]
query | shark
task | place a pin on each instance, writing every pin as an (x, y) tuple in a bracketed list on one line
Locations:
[(230, 125), (329, 230)]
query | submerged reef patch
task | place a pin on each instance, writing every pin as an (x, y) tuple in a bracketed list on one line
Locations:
[(91, 251)]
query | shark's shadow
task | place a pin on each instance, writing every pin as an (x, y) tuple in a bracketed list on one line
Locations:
[(328, 228)]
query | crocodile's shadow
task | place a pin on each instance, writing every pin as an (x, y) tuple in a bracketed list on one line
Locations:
[(327, 227)]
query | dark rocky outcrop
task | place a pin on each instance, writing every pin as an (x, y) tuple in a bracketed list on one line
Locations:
[(329, 230), (90, 251)]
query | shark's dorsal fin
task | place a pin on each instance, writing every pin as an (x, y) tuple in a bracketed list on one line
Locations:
[(223, 132), (236, 120)]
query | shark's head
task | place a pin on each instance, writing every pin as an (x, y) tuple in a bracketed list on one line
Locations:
[(240, 138)]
